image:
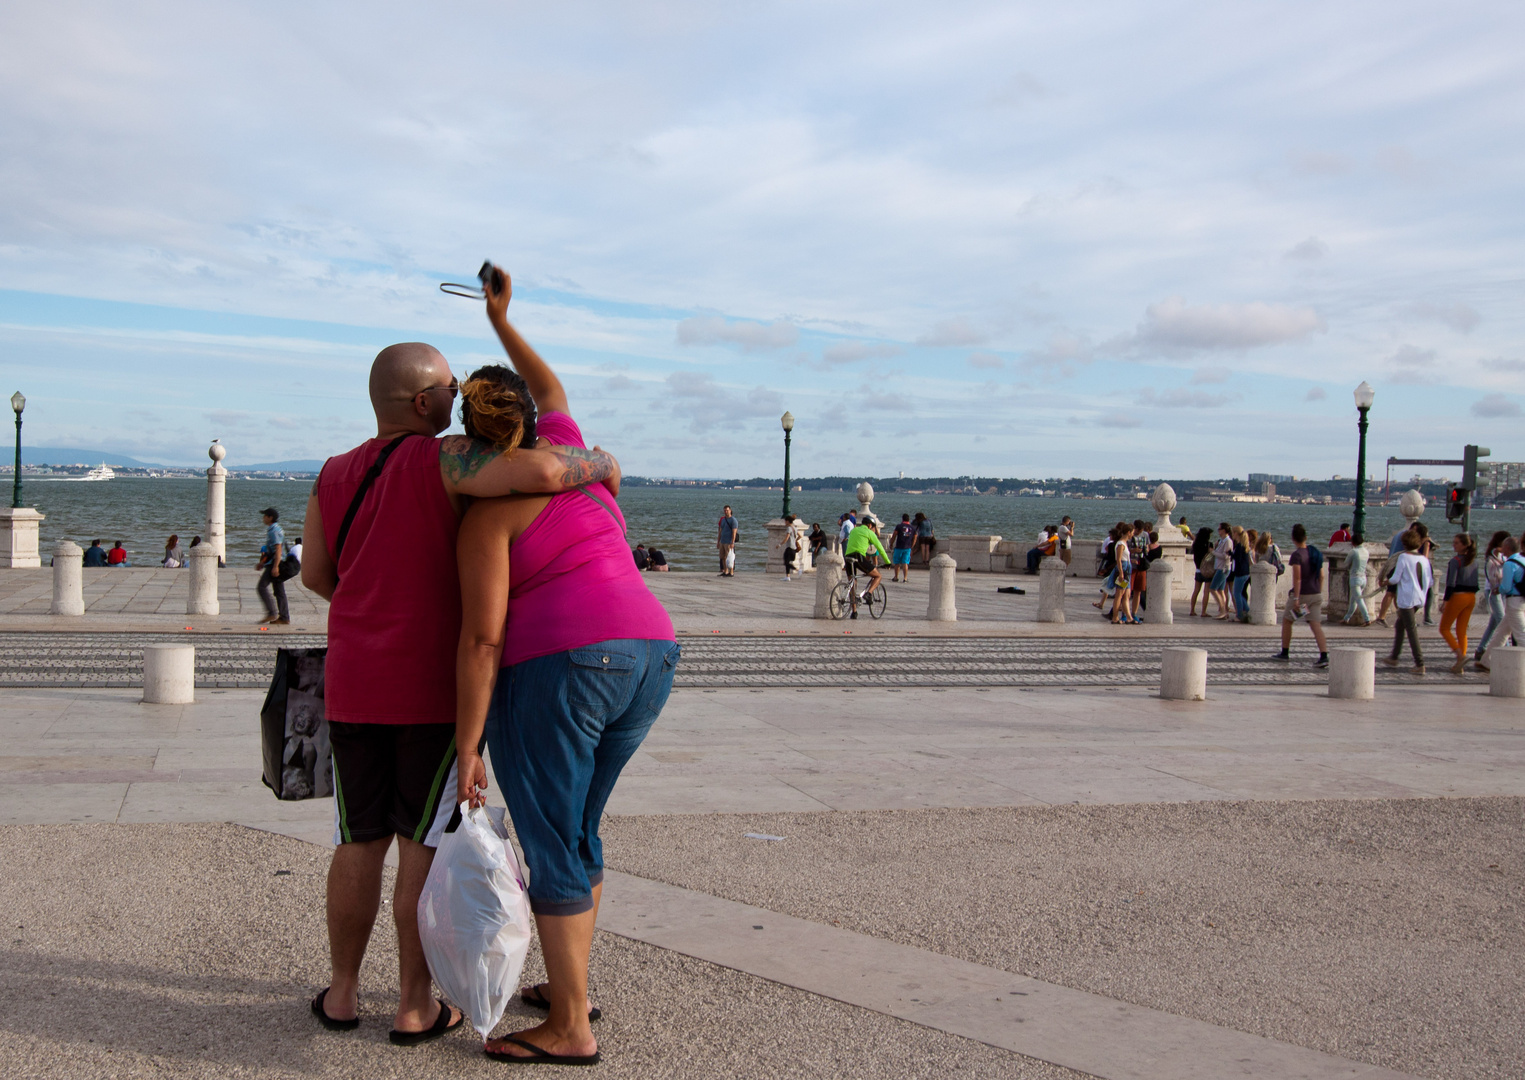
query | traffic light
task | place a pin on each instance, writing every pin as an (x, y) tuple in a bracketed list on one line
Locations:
[(1457, 502), (1469, 465)]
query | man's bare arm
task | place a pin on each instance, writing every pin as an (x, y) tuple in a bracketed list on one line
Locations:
[(471, 467)]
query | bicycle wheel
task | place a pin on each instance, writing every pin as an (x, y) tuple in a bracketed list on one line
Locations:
[(839, 605), (876, 601)]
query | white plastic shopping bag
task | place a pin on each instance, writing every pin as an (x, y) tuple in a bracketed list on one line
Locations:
[(474, 917)]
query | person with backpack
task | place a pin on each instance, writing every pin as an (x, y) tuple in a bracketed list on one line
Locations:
[(1306, 598), (1500, 547), (1512, 589), (901, 542)]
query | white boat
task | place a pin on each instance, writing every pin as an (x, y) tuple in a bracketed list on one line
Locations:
[(102, 473)]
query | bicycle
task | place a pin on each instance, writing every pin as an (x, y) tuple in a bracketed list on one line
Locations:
[(846, 597)]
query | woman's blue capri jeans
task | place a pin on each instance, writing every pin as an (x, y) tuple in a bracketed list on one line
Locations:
[(559, 730)]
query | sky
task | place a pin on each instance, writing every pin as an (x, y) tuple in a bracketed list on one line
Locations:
[(996, 239)]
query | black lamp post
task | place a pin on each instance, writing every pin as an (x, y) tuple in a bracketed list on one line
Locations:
[(18, 402), (1364, 397), (788, 421)]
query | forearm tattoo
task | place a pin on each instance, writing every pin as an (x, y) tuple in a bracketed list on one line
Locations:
[(463, 457), (581, 466)]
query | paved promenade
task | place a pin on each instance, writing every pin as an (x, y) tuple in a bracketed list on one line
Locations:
[(947, 876)]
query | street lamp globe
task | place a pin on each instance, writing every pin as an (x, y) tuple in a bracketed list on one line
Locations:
[(1365, 395), (788, 421), (18, 402)]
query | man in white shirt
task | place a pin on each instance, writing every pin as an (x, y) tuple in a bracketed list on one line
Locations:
[(1413, 577)]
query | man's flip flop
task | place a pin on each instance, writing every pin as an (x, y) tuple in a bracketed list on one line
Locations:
[(539, 1002), (328, 1021), (538, 1056), (441, 1026)]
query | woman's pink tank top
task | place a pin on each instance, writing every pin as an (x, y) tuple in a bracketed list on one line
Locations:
[(572, 580)]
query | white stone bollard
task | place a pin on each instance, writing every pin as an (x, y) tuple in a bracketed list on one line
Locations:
[(169, 674), (1183, 674), (68, 579), (1051, 589), (217, 515), (940, 603), (202, 599), (1161, 590), (1353, 673), (1263, 594), (828, 575), (1506, 671)]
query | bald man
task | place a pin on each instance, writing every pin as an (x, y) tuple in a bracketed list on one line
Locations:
[(389, 680)]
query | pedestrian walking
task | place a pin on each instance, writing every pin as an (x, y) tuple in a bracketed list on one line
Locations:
[(1427, 553), (1202, 565), (1413, 578), (726, 544), (1357, 614), (1066, 540), (901, 541), (793, 540), (1512, 589), (271, 553), (1306, 600), (1240, 555), (845, 525), (926, 537), (1460, 597), (1500, 546), (1223, 567)]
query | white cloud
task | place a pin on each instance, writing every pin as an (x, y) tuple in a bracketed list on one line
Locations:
[(749, 337), (1316, 393), (850, 352), (1060, 356), (1174, 324), (1207, 376), (1410, 365), (706, 403), (1310, 250), (953, 333), (1494, 406), (1458, 317), (985, 361)]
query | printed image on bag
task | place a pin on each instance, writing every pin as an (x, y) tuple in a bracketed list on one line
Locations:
[(298, 760)]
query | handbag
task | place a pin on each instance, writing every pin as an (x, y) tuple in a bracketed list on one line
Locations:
[(298, 762)]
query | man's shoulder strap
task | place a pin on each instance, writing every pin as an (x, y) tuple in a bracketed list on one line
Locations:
[(360, 492)]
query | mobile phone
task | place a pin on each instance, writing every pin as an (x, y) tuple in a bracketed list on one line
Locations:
[(491, 278)]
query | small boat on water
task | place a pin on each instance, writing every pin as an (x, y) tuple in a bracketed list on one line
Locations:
[(102, 473)]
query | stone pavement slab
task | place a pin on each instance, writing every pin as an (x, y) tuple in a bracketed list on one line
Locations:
[(1090, 1033)]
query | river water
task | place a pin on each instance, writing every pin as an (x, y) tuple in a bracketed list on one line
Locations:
[(681, 521)]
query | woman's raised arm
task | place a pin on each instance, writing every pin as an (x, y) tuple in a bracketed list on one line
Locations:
[(544, 386)]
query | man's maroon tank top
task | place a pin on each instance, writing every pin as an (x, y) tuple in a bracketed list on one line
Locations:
[(395, 618)]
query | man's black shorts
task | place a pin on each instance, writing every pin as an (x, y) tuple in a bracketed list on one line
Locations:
[(392, 778), (859, 564)]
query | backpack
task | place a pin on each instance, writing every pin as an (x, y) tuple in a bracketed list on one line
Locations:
[(1274, 558), (1315, 561), (1509, 584)]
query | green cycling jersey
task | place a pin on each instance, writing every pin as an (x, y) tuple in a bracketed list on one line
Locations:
[(861, 539)]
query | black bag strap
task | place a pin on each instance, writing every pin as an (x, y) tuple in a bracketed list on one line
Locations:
[(365, 486), (586, 490)]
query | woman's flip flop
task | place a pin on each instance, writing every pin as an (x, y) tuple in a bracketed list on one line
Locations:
[(441, 1026), (538, 1056), (328, 1021), (539, 1002)]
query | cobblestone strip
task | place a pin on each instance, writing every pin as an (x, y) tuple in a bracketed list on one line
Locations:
[(247, 660)]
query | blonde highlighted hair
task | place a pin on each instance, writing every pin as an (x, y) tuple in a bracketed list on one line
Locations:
[(496, 408)]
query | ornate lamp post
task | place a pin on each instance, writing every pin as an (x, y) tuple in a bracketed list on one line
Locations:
[(788, 421), (1364, 397), (18, 402)]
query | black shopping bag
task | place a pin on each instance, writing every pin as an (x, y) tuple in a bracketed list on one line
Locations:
[(293, 729)]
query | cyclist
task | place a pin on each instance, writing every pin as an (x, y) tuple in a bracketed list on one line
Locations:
[(856, 555)]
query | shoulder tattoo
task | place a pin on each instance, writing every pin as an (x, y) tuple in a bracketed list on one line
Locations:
[(462, 457)]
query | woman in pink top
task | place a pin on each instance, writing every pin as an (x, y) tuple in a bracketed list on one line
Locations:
[(565, 661)]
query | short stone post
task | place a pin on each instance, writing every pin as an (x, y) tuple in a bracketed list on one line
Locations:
[(1506, 671), (1160, 592), (19, 531), (1183, 674), (169, 674), (217, 514), (68, 579), (828, 575), (1263, 594), (202, 599), (1353, 673), (940, 604), (1051, 590)]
